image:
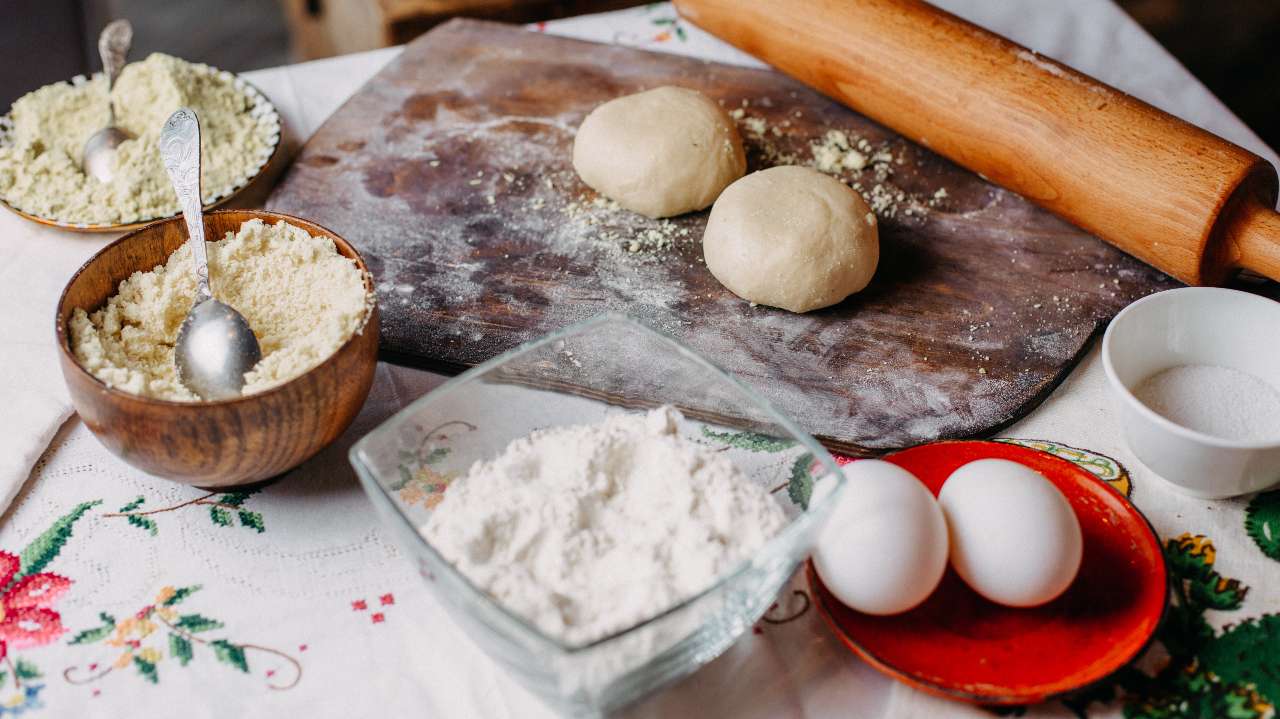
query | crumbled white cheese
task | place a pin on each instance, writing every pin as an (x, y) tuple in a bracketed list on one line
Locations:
[(302, 299), (40, 170)]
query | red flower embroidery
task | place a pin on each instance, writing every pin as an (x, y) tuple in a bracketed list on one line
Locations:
[(26, 619), (378, 617), (359, 605), (387, 599)]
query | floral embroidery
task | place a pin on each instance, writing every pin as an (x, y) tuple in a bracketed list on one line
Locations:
[(21, 698), (799, 484), (797, 604), (669, 24), (660, 18), (750, 441), (1262, 522), (386, 600), (25, 605), (1101, 466), (1233, 673), (137, 638), (220, 511), (27, 618), (420, 483)]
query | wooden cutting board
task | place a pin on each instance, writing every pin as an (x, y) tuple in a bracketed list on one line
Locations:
[(450, 171)]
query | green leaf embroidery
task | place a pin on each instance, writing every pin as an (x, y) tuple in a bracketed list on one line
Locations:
[(1218, 592), (436, 455), (97, 634), (45, 547), (142, 523), (179, 648), (750, 441), (236, 498), (405, 477), (680, 33), (146, 669), (1262, 522), (1245, 653), (801, 484), (196, 623), (3, 676), (1190, 560), (1193, 694), (1207, 674), (24, 669), (252, 520), (180, 594), (220, 516), (1190, 557), (133, 505), (229, 653)]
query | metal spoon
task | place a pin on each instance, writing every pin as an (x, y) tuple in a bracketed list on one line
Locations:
[(100, 148), (215, 344)]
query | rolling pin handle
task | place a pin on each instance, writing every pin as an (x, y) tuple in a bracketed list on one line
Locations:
[(1254, 235)]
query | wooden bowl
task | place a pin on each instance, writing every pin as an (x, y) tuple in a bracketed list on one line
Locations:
[(225, 443)]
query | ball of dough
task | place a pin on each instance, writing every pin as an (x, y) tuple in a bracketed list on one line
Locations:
[(661, 152), (791, 237)]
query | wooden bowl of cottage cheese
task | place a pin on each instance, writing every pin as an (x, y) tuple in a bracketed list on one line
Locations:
[(307, 294)]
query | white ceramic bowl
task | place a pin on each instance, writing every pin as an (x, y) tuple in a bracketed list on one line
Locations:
[(1195, 325)]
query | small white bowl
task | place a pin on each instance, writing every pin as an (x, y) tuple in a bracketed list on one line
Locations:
[(1195, 325)]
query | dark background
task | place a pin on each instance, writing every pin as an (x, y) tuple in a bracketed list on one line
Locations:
[(1233, 46)]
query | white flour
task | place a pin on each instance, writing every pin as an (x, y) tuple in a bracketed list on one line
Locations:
[(587, 530), (1219, 401)]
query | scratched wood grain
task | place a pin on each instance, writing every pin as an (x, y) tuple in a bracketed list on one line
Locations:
[(450, 171)]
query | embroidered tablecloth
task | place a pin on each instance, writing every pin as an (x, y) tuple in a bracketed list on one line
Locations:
[(125, 595)]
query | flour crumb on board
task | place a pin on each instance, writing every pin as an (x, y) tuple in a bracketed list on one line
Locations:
[(605, 216), (833, 154), (847, 157)]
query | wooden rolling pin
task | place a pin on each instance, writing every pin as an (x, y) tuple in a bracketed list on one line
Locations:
[(1178, 197)]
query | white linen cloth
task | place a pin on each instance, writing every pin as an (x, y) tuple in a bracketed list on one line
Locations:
[(300, 585), (1095, 37)]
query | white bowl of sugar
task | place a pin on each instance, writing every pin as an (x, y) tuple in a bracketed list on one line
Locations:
[(1196, 372)]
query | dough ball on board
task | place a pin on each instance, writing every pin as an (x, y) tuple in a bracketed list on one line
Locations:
[(661, 152), (791, 237)]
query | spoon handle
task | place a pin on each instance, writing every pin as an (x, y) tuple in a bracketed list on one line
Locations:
[(180, 151), (113, 46)]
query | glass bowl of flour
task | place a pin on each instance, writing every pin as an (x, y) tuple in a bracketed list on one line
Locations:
[(603, 511)]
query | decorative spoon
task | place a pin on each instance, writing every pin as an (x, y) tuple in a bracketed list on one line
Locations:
[(100, 148), (215, 344)]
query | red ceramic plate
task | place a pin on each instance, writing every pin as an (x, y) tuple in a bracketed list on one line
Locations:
[(962, 646)]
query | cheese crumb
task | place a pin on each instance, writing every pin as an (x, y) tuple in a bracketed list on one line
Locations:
[(40, 169), (302, 299)]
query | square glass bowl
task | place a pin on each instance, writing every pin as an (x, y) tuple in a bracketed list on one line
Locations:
[(580, 375)]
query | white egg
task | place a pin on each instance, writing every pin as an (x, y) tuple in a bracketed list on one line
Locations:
[(1014, 537), (884, 548)]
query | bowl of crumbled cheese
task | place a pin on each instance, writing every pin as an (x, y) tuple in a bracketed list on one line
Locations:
[(308, 297), (42, 139), (602, 510)]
